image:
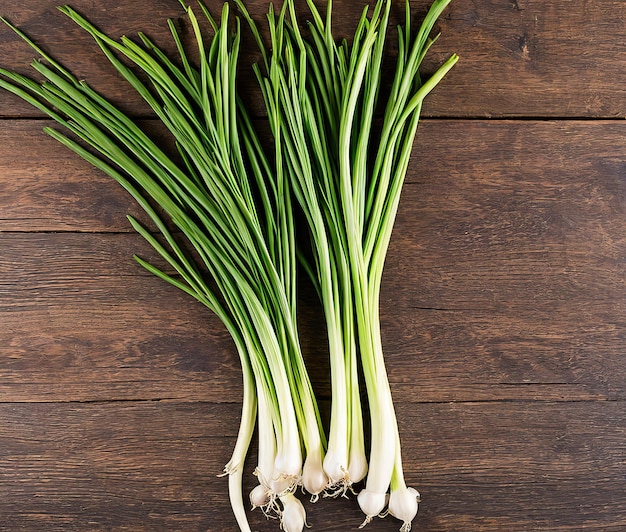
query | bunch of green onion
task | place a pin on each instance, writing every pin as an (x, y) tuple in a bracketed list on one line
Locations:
[(222, 215)]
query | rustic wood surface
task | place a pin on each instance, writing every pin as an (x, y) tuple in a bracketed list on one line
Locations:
[(503, 309)]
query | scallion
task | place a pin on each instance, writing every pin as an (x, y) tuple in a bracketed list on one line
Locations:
[(211, 198), (223, 216), (322, 98)]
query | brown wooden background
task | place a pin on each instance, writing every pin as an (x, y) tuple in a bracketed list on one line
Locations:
[(504, 302)]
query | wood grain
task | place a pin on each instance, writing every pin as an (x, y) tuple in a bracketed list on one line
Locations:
[(522, 269), (533, 59), (153, 466), (503, 306)]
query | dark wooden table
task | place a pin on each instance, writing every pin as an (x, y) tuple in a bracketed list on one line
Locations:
[(504, 302)]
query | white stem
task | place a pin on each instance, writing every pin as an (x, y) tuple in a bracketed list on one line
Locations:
[(267, 441), (314, 478), (234, 468), (403, 500), (262, 495), (236, 499), (336, 460), (288, 462), (403, 505), (357, 463), (383, 420)]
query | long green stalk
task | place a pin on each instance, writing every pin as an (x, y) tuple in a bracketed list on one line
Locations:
[(299, 142), (348, 180), (246, 245)]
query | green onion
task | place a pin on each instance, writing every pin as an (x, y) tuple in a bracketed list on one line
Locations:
[(290, 112), (210, 196), (223, 220), (322, 98)]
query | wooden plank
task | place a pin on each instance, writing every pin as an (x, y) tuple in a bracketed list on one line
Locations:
[(519, 58), (524, 466), (83, 321), (532, 58), (70, 299), (125, 466), (517, 179), (153, 466), (46, 187)]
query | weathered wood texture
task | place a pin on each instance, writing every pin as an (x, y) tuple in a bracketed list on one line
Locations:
[(531, 57), (521, 266), (503, 305), (153, 465)]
